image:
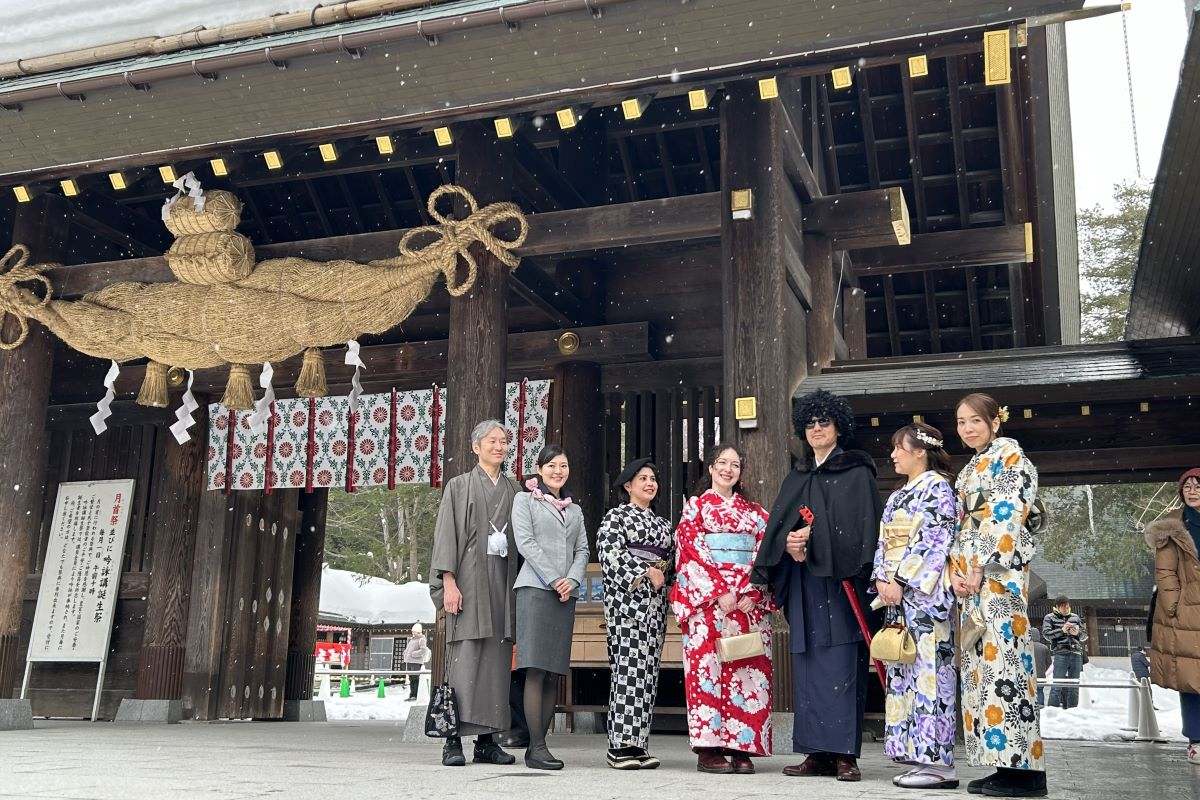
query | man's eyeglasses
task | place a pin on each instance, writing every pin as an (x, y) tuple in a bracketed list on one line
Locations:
[(818, 422)]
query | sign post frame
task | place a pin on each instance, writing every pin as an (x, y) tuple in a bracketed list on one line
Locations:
[(119, 522)]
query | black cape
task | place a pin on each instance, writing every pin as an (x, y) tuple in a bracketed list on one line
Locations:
[(846, 507)]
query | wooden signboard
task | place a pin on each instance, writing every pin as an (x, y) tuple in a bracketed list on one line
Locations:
[(82, 573)]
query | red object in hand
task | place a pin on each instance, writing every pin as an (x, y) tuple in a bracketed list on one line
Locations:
[(806, 514)]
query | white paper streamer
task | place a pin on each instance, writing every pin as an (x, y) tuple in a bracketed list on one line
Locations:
[(262, 409), (104, 407), (190, 184), (353, 359), (183, 414)]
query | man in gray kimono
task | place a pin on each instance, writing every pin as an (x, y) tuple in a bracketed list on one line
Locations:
[(471, 578)]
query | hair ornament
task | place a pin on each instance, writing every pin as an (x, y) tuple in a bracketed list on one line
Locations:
[(926, 438), (1004, 413)]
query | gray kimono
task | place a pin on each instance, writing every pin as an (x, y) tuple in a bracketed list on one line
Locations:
[(481, 635)]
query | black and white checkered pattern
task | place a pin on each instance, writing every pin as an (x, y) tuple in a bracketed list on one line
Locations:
[(635, 616)]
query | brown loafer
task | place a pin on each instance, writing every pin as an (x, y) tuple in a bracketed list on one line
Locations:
[(710, 760), (742, 765), (847, 770), (812, 766)]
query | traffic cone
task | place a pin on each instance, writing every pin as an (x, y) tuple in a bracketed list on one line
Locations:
[(381, 692), (344, 687), (1148, 722), (323, 692), (1133, 709)]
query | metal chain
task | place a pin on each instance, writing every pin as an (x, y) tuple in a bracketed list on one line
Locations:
[(1137, 153)]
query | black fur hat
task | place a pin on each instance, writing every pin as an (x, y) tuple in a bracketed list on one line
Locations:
[(822, 403)]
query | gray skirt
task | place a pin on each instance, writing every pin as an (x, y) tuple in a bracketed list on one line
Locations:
[(544, 628)]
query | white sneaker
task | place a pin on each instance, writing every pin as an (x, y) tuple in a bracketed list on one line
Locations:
[(1193, 753)]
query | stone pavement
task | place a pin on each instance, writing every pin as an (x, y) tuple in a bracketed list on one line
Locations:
[(351, 760)]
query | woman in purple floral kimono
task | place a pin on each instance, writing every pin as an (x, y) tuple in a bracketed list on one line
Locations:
[(918, 528)]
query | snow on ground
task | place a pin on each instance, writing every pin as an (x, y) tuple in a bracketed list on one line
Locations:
[(365, 705), (358, 598), (1101, 713), (61, 25)]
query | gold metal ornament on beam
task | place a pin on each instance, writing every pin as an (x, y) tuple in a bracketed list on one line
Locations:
[(283, 307), (568, 343)]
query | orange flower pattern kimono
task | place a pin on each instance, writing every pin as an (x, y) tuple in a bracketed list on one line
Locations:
[(1000, 721)]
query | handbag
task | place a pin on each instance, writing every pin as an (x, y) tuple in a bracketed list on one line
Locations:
[(971, 627), (741, 646), (441, 718), (894, 644)]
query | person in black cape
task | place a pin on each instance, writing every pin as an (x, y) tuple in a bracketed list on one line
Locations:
[(823, 529)]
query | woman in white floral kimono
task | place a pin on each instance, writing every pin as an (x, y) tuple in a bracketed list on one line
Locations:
[(990, 575)]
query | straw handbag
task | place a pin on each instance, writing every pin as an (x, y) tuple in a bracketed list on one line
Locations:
[(894, 644)]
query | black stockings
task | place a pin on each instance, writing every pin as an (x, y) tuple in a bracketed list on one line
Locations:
[(541, 692)]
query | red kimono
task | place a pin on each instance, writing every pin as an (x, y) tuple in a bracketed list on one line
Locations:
[(729, 705)]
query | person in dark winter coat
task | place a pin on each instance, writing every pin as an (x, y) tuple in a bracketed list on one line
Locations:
[(1066, 635), (1140, 661), (1041, 663), (823, 529)]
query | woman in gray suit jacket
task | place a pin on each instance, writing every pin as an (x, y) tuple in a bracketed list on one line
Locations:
[(549, 532)]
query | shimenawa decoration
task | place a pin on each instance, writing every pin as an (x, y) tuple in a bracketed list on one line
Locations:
[(225, 309)]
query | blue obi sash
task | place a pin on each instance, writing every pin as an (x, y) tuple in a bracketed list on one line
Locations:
[(727, 548)]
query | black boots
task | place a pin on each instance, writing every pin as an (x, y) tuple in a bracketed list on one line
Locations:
[(1010, 783), (452, 753)]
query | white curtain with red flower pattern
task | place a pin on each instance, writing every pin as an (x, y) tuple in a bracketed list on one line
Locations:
[(392, 440)]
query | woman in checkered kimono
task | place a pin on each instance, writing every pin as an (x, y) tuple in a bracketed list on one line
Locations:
[(636, 549)]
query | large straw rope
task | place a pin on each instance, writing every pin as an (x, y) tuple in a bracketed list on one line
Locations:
[(283, 307)]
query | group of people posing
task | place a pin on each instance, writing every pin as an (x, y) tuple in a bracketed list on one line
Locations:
[(946, 566)]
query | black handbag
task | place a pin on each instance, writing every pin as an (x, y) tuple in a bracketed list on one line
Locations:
[(441, 718)]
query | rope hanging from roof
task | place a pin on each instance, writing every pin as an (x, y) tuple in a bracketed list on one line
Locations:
[(283, 307)]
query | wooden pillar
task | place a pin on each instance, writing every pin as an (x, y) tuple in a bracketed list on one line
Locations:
[(212, 558), (758, 331), (578, 425), (24, 394), (818, 261), (180, 474), (854, 321), (306, 596), (476, 368)]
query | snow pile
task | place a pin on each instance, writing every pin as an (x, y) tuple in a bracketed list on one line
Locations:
[(357, 598), (1101, 714), (364, 705), (62, 25)]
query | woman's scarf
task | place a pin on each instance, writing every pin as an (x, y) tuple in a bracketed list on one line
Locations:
[(540, 491)]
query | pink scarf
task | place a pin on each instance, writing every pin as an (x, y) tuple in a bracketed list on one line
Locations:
[(534, 487)]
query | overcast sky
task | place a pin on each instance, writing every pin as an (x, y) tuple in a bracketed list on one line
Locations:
[(1100, 118)]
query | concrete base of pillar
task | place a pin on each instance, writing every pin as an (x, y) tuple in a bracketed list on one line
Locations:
[(15, 715), (149, 712), (414, 726), (304, 711)]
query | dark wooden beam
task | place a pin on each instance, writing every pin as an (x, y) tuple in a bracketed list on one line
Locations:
[(318, 208), (627, 168), (833, 181), (912, 124), (931, 313), (1016, 199), (710, 183), (970, 247), (874, 218), (889, 307), (417, 197), (384, 200), (664, 158), (795, 160), (973, 307), (672, 219), (818, 260), (867, 120), (854, 322), (260, 221), (119, 224), (960, 159), (351, 205), (537, 170)]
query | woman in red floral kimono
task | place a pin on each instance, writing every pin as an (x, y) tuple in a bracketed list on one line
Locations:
[(729, 704)]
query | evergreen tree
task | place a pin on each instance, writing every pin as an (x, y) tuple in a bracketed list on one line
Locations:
[(1109, 242), (388, 534)]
